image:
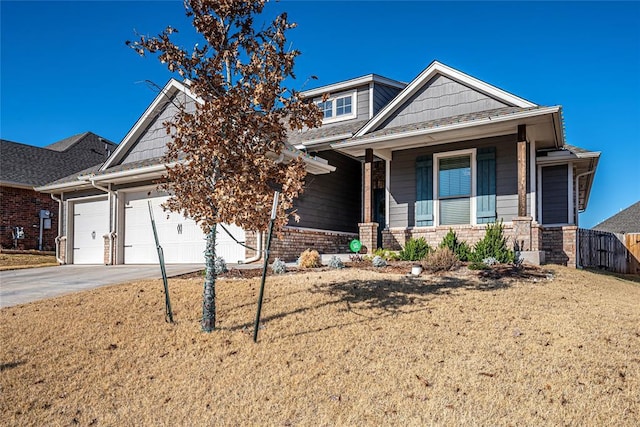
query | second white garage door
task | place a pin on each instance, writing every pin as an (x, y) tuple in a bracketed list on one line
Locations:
[(181, 238), (90, 224)]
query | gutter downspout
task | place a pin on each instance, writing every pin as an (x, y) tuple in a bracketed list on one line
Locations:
[(59, 236), (258, 254), (112, 233), (577, 188)]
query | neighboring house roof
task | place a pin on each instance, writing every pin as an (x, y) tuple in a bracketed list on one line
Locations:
[(625, 221), (27, 166)]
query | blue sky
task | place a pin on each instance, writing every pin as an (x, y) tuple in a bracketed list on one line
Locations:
[(65, 68)]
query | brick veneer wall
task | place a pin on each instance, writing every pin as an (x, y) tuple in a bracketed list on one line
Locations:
[(20, 207), (294, 241), (558, 243)]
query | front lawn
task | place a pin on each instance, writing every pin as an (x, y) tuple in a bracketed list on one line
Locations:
[(347, 347)]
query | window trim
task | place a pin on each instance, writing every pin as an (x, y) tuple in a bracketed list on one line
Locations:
[(436, 193), (334, 105)]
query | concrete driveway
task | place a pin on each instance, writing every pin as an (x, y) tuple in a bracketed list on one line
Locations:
[(31, 284)]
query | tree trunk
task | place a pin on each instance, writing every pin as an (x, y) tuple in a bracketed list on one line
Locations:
[(209, 294)]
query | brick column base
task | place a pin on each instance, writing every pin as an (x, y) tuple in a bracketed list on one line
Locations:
[(109, 249), (368, 236), (522, 233), (61, 244)]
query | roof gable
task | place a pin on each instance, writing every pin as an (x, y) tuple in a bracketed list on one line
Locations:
[(441, 91), (147, 138)]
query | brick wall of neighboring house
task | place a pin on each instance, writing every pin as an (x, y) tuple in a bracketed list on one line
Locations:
[(21, 207), (294, 241)]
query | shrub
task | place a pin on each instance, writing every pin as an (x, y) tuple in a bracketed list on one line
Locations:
[(460, 248), (219, 265), (442, 259), (386, 254), (415, 249), (378, 261), (278, 266), (335, 263), (309, 259), (493, 245)]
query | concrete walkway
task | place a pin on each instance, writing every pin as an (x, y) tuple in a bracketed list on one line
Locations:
[(23, 286)]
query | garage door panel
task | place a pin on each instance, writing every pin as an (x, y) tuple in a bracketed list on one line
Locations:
[(90, 224), (182, 240)]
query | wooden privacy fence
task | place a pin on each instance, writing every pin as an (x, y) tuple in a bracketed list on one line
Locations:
[(601, 249), (632, 242)]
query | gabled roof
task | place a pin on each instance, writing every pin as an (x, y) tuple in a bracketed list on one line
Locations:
[(437, 68), (625, 221), (162, 99), (27, 166)]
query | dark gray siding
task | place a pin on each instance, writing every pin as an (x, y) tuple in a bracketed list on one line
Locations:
[(382, 95), (555, 187), (403, 185), (153, 141), (332, 201), (440, 97)]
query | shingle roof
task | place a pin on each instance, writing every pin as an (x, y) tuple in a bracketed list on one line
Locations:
[(23, 164), (626, 221), (445, 121)]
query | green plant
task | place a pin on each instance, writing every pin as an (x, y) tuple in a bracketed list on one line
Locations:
[(309, 259), (458, 247), (442, 259), (335, 263), (278, 266), (387, 254), (493, 245), (415, 249)]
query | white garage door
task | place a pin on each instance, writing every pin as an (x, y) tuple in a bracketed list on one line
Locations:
[(181, 238), (90, 224)]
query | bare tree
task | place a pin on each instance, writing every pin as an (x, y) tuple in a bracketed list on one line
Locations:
[(226, 151)]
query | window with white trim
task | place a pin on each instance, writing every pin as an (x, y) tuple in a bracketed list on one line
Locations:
[(455, 187), (338, 108)]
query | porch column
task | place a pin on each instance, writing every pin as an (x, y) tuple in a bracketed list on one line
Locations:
[(368, 228), (522, 223), (368, 185)]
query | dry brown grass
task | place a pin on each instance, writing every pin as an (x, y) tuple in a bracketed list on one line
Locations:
[(348, 347), (20, 261)]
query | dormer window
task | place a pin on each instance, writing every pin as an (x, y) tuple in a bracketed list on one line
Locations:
[(338, 108)]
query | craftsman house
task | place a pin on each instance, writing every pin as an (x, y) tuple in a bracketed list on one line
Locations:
[(28, 218), (391, 161)]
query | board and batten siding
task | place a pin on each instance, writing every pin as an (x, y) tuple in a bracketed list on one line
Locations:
[(441, 97), (555, 189), (382, 95), (403, 178), (152, 143), (332, 201)]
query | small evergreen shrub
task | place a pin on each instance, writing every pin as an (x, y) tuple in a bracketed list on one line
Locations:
[(378, 261), (309, 259), (219, 265), (415, 249), (335, 263), (490, 261), (442, 259), (278, 266), (493, 245), (460, 248)]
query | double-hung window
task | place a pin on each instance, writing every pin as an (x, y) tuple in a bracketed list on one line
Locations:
[(454, 190), (338, 108)]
